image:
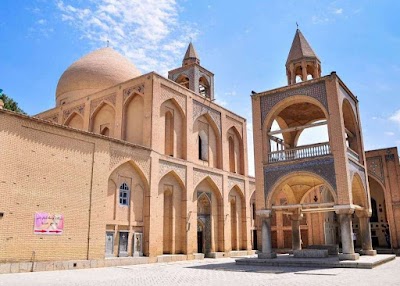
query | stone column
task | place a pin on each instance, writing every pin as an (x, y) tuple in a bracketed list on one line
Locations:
[(365, 233), (346, 229), (292, 75), (304, 70), (266, 252), (296, 233)]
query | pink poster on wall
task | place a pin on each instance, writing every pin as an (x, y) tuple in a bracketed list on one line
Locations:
[(46, 223)]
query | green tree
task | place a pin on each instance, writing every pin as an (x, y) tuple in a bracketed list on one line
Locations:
[(9, 103)]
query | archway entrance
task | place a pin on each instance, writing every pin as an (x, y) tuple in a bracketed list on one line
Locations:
[(203, 224), (380, 232), (303, 212)]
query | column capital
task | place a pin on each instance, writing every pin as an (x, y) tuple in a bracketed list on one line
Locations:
[(344, 209), (296, 216), (264, 213), (366, 213)]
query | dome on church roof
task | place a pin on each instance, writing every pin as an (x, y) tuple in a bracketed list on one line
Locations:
[(94, 72)]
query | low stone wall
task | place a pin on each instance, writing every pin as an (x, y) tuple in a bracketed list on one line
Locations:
[(333, 249), (310, 253)]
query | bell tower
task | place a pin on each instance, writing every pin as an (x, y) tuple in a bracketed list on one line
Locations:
[(302, 63), (193, 76), (301, 177)]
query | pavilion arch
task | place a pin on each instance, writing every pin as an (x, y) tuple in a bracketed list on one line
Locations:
[(315, 111), (352, 129), (331, 193), (103, 118), (237, 218), (133, 119), (174, 128), (206, 124), (300, 132), (214, 221), (303, 182), (359, 194), (173, 192), (236, 151), (74, 120)]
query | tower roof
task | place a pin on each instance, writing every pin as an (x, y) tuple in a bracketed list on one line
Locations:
[(300, 48), (190, 56)]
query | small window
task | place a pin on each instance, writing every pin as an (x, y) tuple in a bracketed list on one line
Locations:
[(124, 195), (203, 146)]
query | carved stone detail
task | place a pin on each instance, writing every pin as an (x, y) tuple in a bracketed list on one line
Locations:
[(109, 98), (199, 175), (199, 109), (78, 109), (375, 168), (168, 93), (237, 124), (166, 167), (136, 88), (232, 181)]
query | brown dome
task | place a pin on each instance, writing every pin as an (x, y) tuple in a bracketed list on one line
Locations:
[(96, 71)]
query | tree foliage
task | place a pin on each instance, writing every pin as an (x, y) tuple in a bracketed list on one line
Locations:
[(10, 104)]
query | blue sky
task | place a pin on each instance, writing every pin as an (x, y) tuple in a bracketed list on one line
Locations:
[(245, 43)]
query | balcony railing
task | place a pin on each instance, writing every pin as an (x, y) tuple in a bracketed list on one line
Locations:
[(353, 155), (302, 152)]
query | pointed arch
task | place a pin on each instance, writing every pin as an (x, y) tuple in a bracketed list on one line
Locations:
[(173, 191), (137, 169), (206, 124), (285, 183), (183, 80), (359, 194), (236, 151), (204, 87), (174, 128), (74, 120), (133, 119), (103, 117), (352, 129), (214, 221), (237, 218), (138, 211), (319, 113)]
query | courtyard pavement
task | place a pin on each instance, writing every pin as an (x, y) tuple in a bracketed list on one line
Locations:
[(208, 272)]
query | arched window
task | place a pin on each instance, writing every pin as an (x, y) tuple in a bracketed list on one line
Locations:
[(105, 131), (169, 134), (124, 195), (232, 165), (203, 146)]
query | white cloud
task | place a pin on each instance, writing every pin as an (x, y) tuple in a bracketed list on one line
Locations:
[(149, 32), (395, 117), (389, 133), (41, 22), (338, 11)]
